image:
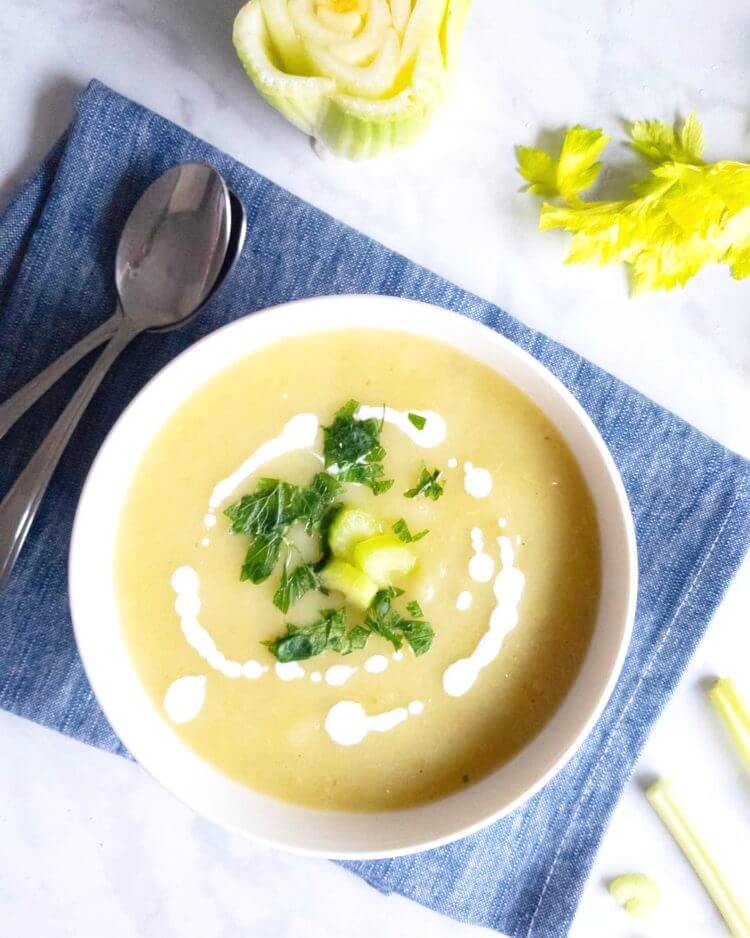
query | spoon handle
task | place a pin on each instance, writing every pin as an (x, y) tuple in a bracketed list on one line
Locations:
[(17, 404), (18, 508)]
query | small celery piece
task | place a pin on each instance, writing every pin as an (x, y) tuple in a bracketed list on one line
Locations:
[(356, 586), (636, 893), (734, 715), (685, 214), (363, 78), (382, 556), (349, 527), (663, 801)]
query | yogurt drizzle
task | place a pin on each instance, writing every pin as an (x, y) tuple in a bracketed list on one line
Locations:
[(348, 723), (376, 664), (459, 677), (431, 434), (185, 697), (463, 601), (186, 584), (298, 433), (338, 674), (477, 481), (301, 431), (481, 565), (289, 670)]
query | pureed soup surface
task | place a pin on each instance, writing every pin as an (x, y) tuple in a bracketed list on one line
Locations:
[(508, 575)]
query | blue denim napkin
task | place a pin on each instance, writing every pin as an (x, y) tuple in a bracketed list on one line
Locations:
[(690, 498)]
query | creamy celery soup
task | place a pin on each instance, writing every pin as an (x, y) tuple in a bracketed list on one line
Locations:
[(358, 570)]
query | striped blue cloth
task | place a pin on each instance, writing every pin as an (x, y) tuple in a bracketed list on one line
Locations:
[(524, 874)]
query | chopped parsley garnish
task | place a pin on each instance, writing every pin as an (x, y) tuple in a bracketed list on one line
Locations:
[(328, 633), (352, 450), (267, 515), (274, 506), (261, 557), (352, 453), (414, 609), (429, 484), (294, 585), (386, 621), (401, 528)]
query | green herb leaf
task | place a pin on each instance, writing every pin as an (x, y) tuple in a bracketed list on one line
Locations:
[(353, 447), (414, 609), (328, 633), (401, 528), (275, 505), (419, 635), (358, 637), (267, 514), (417, 420), (325, 486), (272, 506), (429, 485), (388, 593), (348, 440), (313, 503), (389, 623), (369, 474), (294, 585), (261, 558)]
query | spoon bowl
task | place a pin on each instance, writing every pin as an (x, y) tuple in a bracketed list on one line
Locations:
[(173, 246), (237, 235)]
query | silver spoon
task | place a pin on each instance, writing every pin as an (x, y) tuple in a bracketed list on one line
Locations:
[(12, 409), (171, 253)]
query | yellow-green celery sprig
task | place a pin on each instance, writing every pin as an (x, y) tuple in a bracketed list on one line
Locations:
[(686, 214)]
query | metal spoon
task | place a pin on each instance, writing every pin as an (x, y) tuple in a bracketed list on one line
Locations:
[(170, 255), (12, 409)]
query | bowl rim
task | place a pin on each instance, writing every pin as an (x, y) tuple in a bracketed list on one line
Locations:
[(445, 319)]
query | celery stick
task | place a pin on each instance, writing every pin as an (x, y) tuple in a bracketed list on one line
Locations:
[(663, 801), (358, 588), (348, 528), (382, 555), (734, 715)]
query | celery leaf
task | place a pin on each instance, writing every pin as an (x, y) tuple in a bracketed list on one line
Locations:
[(685, 214)]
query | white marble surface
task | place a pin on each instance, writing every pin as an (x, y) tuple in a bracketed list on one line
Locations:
[(89, 842)]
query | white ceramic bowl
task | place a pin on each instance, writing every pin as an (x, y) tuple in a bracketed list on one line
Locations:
[(147, 735)]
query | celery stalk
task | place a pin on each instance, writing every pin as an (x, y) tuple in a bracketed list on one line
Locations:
[(663, 801), (734, 715)]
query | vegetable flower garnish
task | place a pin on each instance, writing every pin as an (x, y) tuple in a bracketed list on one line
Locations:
[(361, 76)]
